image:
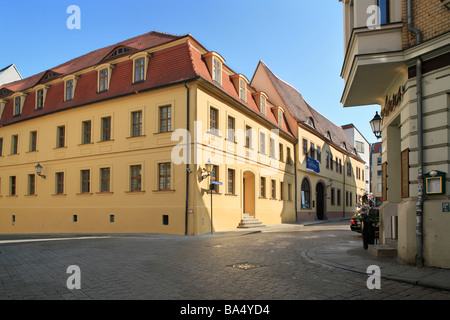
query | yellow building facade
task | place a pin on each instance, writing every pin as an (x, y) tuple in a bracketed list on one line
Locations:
[(123, 134)]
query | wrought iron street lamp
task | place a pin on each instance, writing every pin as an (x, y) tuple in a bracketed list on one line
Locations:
[(207, 170), (38, 169), (375, 124)]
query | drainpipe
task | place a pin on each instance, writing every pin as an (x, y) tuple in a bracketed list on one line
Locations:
[(419, 204), (343, 188), (295, 177), (188, 159)]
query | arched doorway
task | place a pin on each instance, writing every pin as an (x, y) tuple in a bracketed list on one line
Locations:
[(320, 201), (249, 193)]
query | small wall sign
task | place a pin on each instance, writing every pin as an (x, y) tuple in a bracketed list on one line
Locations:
[(435, 182)]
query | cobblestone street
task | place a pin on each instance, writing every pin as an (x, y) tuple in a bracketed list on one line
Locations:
[(236, 266)]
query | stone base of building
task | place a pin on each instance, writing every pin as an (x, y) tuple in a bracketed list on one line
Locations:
[(435, 235)]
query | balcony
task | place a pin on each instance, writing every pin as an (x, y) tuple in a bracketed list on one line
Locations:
[(373, 58)]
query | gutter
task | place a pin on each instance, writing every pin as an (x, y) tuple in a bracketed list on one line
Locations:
[(188, 159), (420, 200)]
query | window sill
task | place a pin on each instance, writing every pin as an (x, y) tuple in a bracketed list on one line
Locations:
[(231, 140), (162, 132), (164, 190), (105, 192), (110, 140), (135, 192), (231, 194), (59, 195), (214, 133), (86, 194), (32, 151), (133, 137), (30, 195), (12, 196)]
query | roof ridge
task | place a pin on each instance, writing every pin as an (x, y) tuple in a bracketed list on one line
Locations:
[(287, 83)]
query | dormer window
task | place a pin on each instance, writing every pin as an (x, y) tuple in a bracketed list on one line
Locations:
[(140, 65), (19, 100), (261, 102), (17, 104), (328, 135), (119, 51), (280, 117), (103, 80), (49, 76), (242, 90), (3, 103), (240, 83), (4, 92), (343, 146), (70, 83), (278, 113), (39, 99), (139, 70), (263, 105), (217, 71), (104, 77), (310, 122), (215, 65), (69, 90), (41, 92)]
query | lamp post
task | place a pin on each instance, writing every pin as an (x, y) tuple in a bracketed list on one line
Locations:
[(38, 169), (208, 168), (375, 124)]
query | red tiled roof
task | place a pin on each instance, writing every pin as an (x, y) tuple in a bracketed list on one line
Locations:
[(171, 65), (301, 111), (377, 147), (145, 41), (227, 86)]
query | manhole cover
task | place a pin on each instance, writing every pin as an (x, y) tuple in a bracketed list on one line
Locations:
[(246, 266)]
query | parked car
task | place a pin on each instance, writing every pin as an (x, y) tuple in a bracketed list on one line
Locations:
[(355, 222)]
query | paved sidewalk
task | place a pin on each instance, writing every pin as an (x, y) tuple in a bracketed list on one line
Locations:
[(349, 256), (352, 257)]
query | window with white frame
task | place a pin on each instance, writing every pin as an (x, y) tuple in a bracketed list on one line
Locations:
[(217, 70), (242, 90), (263, 105)]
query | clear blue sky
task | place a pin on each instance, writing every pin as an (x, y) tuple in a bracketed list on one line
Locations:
[(300, 40)]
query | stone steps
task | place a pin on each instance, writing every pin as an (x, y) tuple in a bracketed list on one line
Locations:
[(381, 251), (249, 221)]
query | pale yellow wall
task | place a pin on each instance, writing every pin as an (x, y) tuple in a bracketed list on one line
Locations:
[(134, 211), (341, 181), (228, 209)]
